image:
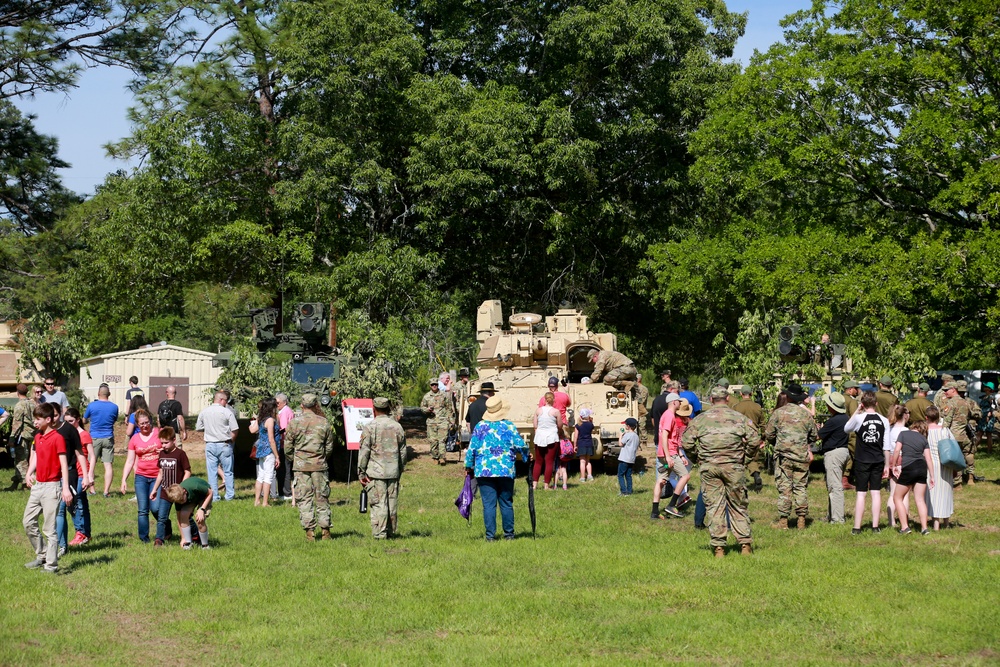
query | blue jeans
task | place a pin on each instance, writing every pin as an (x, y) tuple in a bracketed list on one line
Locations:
[(80, 508), (493, 491), (143, 486), (625, 478), (163, 518), (216, 454)]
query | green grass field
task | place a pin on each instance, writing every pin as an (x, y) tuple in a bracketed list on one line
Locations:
[(600, 584)]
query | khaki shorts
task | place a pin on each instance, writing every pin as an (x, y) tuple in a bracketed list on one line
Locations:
[(662, 472), (104, 449), (678, 467)]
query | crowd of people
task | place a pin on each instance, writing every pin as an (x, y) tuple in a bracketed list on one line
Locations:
[(867, 440)]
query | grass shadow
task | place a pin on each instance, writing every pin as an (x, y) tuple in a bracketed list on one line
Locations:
[(102, 559)]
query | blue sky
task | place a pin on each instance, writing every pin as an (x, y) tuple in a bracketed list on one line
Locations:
[(94, 114)]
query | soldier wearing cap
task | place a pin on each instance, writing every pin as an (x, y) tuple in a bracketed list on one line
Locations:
[(884, 398), (975, 415), (723, 439), (792, 430), (731, 400), (990, 413), (747, 407), (955, 415), (852, 390), (918, 404), (461, 390), (939, 395), (641, 398), (439, 407), (380, 465), (310, 439)]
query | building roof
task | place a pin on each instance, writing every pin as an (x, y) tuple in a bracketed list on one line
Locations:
[(147, 349)]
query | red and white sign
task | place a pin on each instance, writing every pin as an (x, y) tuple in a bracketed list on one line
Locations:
[(357, 413)]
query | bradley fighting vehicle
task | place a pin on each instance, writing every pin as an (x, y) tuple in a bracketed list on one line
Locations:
[(520, 360)]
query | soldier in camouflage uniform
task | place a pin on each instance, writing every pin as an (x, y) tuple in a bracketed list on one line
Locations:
[(380, 465), (22, 434), (732, 399), (792, 430), (884, 398), (723, 439), (955, 415), (310, 439), (439, 406), (939, 395), (975, 415), (641, 398), (749, 409), (613, 368)]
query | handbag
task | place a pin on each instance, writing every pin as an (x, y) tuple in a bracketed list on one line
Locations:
[(465, 498), (950, 454)]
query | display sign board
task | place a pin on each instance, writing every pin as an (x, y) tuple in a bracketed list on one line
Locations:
[(357, 413)]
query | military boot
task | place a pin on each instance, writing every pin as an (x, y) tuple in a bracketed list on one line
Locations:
[(720, 552), (972, 480), (326, 534), (781, 523), (309, 535), (746, 550), (802, 523)]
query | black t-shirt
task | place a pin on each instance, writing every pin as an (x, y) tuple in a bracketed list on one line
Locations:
[(73, 448), (871, 437), (655, 412), (172, 465), (476, 411), (832, 434), (168, 412)]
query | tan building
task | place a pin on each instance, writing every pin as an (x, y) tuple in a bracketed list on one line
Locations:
[(9, 358), (157, 366)]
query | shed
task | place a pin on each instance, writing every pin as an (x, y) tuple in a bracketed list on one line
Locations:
[(157, 367)]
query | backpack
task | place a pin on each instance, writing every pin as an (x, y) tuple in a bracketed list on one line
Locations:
[(566, 448), (166, 414)]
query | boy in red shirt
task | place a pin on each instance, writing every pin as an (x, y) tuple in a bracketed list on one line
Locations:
[(48, 479)]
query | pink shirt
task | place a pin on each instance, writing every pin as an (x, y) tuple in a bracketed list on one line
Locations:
[(666, 424), (285, 415), (560, 402), (147, 453)]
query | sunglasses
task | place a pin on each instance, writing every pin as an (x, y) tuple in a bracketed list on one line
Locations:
[(50, 384)]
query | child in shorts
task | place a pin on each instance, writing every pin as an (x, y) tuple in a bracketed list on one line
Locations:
[(626, 457)]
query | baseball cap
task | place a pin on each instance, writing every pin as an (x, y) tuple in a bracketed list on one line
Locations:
[(631, 423), (923, 386), (381, 403), (718, 391), (673, 397)]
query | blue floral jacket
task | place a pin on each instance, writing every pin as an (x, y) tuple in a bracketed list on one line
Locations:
[(492, 449)]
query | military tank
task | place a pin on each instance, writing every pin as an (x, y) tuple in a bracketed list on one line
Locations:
[(520, 359)]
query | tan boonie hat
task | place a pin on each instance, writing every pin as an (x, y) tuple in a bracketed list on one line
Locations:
[(309, 400), (836, 401), (381, 403), (685, 409), (718, 391), (496, 409)]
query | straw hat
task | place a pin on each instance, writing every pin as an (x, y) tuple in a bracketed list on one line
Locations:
[(496, 410), (685, 409)]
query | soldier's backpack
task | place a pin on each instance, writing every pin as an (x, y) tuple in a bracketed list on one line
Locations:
[(166, 414)]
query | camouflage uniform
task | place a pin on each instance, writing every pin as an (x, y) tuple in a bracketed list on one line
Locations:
[(955, 415), (613, 367), (884, 401), (975, 415), (382, 459), (850, 407), (749, 409), (310, 439), (641, 398), (439, 407), (792, 430), (22, 434), (939, 394), (722, 438)]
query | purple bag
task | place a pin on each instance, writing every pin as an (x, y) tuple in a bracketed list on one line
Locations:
[(465, 498)]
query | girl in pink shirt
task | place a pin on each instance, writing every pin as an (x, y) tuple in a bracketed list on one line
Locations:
[(144, 456)]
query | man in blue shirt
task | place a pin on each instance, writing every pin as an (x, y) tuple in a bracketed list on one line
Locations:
[(102, 415), (691, 397)]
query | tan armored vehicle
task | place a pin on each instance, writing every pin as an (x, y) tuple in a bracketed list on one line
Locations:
[(520, 360)]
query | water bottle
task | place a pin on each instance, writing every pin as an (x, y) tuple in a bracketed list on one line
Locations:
[(363, 502)]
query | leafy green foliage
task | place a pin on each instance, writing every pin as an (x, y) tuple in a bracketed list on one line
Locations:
[(57, 345)]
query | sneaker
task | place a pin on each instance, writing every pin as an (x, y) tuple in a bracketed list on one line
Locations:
[(905, 531), (925, 532), (35, 564), (107, 495), (50, 569), (672, 511), (76, 541), (133, 499), (876, 529), (61, 552), (855, 531), (157, 542), (286, 497), (683, 501), (590, 478), (205, 546), (186, 546)]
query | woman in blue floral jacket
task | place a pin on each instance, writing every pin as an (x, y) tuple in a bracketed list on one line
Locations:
[(490, 457)]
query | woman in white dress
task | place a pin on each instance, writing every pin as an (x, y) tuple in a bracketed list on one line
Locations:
[(940, 499)]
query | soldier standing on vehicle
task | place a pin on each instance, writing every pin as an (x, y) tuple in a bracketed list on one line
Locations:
[(749, 409), (310, 438), (792, 430), (380, 465), (22, 433), (884, 398), (439, 407), (614, 368), (722, 438), (918, 404)]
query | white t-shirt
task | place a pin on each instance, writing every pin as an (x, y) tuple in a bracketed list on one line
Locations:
[(57, 397)]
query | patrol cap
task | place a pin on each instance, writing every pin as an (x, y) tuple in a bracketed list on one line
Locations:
[(631, 422), (381, 403), (433, 382), (718, 391), (723, 382), (746, 389), (665, 371), (951, 385), (886, 380), (309, 400), (836, 401), (923, 386), (945, 377), (852, 384), (673, 397), (962, 385)]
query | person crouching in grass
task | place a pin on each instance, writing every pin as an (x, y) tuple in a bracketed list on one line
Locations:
[(48, 479), (193, 497), (174, 468)]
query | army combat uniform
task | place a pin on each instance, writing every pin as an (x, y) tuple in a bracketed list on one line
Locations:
[(22, 434), (955, 415), (722, 439), (439, 406), (311, 440), (381, 460), (792, 430), (613, 368), (641, 398)]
